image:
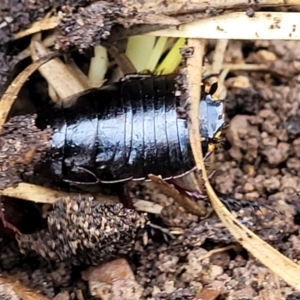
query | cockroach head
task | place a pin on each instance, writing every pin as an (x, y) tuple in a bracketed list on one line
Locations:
[(212, 119)]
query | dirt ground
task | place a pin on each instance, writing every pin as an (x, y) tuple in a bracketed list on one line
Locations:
[(259, 161)]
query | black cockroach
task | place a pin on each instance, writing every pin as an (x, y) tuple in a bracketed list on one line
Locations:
[(125, 131)]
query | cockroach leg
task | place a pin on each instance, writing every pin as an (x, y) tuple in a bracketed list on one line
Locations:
[(165, 231), (181, 112), (185, 191), (135, 76), (124, 196)]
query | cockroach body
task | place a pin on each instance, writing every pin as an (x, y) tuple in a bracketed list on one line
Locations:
[(126, 131)]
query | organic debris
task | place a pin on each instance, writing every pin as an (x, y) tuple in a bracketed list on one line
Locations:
[(22, 145), (83, 231)]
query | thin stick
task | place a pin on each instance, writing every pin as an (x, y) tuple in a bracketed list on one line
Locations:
[(246, 67), (215, 251), (189, 205), (218, 59), (219, 56), (226, 68)]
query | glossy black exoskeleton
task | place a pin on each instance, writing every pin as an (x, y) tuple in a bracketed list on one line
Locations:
[(124, 132)]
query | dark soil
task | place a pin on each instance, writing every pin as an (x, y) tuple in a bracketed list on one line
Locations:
[(259, 162)]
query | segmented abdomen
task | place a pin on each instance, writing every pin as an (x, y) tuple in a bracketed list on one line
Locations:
[(121, 132)]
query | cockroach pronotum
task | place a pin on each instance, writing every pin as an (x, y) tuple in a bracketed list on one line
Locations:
[(125, 131)]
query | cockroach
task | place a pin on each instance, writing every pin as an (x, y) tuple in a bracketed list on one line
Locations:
[(125, 131)]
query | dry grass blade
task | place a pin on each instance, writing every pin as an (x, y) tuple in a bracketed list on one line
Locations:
[(13, 90), (270, 257), (218, 57), (40, 194), (64, 83), (98, 66), (226, 68), (120, 58), (44, 24), (174, 7), (215, 251), (139, 47), (217, 64), (262, 26), (80, 76), (47, 42), (156, 18), (194, 77)]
